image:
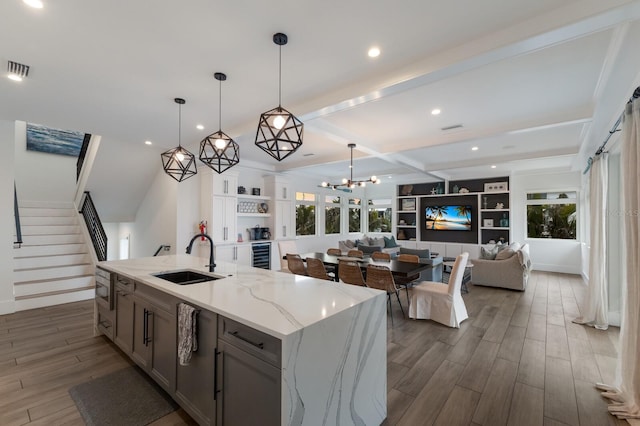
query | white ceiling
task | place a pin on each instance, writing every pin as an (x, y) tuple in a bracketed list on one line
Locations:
[(534, 84)]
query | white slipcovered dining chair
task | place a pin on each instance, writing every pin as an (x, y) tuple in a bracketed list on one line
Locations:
[(440, 302)]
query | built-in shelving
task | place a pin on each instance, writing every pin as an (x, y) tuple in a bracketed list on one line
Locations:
[(492, 206)]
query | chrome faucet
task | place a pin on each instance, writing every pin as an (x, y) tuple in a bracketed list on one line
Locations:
[(211, 264)]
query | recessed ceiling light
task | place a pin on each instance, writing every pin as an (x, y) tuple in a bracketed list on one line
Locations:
[(148, 143), (435, 111), (493, 166), (475, 148), (389, 176), (14, 77), (200, 127), (36, 4), (374, 52)]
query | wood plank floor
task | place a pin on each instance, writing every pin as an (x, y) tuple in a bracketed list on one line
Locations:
[(517, 360)]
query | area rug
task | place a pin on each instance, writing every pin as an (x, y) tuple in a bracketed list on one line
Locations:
[(125, 397)]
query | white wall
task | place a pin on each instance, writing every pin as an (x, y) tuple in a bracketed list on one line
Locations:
[(7, 224), (546, 255), (40, 176), (155, 222)]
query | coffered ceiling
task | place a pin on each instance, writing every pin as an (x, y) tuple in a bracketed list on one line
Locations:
[(534, 84)]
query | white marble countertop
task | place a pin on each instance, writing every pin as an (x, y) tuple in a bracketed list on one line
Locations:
[(276, 303)]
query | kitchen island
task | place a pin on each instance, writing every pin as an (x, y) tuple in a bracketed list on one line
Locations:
[(322, 343)]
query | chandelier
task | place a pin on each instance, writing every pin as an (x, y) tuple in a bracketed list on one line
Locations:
[(350, 183)]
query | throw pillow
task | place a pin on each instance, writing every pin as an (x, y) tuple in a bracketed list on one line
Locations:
[(369, 249), (377, 242), (390, 242), (505, 254), (422, 254), (489, 254)]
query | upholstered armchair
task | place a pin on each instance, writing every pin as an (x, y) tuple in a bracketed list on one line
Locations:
[(510, 270)]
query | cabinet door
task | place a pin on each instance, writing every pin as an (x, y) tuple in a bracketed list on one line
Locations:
[(141, 349), (123, 336), (163, 356), (283, 191), (225, 184), (226, 253), (223, 220), (243, 254), (195, 383), (243, 379), (284, 227), (154, 342), (230, 213)]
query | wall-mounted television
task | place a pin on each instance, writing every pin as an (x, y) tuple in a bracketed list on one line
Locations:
[(448, 218)]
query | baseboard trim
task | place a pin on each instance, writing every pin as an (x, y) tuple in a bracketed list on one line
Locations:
[(563, 269), (7, 307)]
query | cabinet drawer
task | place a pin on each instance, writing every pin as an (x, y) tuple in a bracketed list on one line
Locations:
[(124, 283), (263, 346), (105, 321), (158, 298)]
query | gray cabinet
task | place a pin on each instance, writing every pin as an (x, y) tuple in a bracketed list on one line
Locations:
[(123, 335), (248, 370), (154, 334), (195, 383)]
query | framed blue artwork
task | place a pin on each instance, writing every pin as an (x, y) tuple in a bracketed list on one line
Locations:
[(53, 141)]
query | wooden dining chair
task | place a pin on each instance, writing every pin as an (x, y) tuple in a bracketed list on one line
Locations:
[(333, 252), (349, 272), (316, 269), (356, 253), (295, 264), (380, 255), (380, 277), (406, 282)]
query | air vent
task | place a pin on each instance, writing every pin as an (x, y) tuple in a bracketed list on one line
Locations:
[(308, 155), (455, 126), (17, 70)]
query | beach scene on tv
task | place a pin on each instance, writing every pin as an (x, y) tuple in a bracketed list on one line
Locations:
[(448, 218)]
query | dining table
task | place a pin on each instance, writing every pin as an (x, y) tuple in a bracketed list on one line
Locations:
[(404, 269)]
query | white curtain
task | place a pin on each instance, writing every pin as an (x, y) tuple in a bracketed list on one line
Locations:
[(625, 393), (596, 298)]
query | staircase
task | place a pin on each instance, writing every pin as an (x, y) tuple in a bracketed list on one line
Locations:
[(53, 266)]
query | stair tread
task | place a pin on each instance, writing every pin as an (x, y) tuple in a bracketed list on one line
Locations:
[(51, 255), (38, 268), (52, 293), (53, 279)]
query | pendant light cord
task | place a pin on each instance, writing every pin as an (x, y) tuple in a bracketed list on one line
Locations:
[(220, 108), (280, 78), (179, 124), (351, 168)]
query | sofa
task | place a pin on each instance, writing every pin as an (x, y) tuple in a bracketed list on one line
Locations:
[(369, 245), (503, 266)]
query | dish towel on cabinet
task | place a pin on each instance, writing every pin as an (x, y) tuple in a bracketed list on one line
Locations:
[(187, 339)]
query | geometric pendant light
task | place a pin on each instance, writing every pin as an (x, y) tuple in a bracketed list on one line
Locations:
[(279, 131), (177, 162), (218, 150)]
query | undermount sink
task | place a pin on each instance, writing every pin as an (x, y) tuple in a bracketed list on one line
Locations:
[(185, 277)]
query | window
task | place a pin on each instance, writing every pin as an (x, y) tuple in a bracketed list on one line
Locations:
[(379, 215), (354, 214), (305, 213), (331, 215), (552, 215)]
